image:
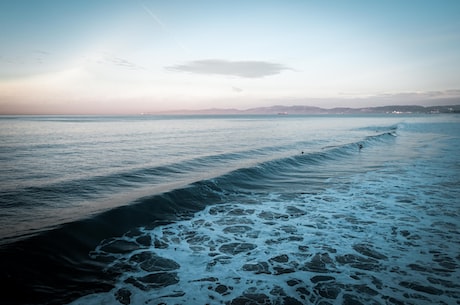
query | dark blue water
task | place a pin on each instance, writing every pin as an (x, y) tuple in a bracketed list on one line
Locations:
[(228, 210)]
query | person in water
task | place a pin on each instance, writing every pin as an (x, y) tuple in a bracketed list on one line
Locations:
[(360, 146)]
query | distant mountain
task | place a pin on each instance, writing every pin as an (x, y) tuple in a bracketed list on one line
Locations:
[(284, 110)]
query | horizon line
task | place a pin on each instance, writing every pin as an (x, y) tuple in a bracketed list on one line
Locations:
[(275, 109)]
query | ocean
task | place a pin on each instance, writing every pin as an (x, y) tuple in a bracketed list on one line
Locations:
[(282, 209)]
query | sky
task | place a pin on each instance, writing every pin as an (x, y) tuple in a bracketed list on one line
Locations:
[(141, 56)]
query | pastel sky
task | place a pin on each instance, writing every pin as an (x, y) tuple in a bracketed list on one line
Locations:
[(132, 56)]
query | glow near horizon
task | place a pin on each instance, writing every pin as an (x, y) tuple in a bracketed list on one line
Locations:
[(142, 56)]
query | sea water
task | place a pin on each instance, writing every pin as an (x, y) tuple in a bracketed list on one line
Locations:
[(230, 209)]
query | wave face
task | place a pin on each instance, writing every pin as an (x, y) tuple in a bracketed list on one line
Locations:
[(192, 210)]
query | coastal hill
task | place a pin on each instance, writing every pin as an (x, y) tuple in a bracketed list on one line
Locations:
[(284, 110)]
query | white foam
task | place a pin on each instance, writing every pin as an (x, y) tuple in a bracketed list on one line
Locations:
[(379, 213), (382, 237)]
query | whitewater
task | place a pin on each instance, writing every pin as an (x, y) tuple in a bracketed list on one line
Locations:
[(332, 209)]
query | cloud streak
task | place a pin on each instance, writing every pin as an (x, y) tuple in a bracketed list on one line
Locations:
[(120, 62), (107, 59), (246, 69)]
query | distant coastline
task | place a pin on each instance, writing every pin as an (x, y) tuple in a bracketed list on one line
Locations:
[(298, 110), (280, 110)]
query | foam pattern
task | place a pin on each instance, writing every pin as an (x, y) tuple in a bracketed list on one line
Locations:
[(375, 239)]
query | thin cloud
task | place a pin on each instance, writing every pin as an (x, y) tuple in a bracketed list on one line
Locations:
[(421, 94), (107, 59), (247, 69), (124, 63)]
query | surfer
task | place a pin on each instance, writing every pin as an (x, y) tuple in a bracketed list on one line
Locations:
[(360, 146)]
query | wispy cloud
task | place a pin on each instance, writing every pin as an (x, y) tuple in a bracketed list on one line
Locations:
[(108, 59), (421, 94), (120, 62), (26, 58), (247, 69)]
